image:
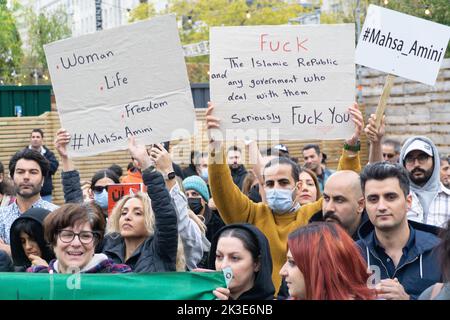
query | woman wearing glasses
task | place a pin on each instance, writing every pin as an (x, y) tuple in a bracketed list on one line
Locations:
[(144, 233), (138, 228), (73, 231)]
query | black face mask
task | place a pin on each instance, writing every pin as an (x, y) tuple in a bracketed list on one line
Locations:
[(195, 204)]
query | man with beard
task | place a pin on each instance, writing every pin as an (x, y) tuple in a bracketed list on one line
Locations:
[(343, 202), (399, 252), (27, 169), (430, 200), (238, 172), (445, 172), (313, 160)]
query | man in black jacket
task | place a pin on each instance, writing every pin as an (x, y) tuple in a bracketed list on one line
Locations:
[(238, 171), (37, 143)]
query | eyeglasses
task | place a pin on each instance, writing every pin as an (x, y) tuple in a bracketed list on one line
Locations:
[(99, 189), (422, 158), (388, 155), (85, 237)]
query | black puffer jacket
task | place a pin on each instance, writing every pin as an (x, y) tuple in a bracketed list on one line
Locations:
[(158, 252), (72, 187)]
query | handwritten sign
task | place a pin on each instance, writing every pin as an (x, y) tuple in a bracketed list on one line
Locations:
[(403, 45), (118, 191), (299, 80), (112, 84)]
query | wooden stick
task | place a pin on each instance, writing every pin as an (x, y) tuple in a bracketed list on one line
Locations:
[(383, 99)]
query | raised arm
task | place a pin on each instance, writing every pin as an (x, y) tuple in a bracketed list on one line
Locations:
[(232, 204), (349, 159), (165, 241), (375, 136), (69, 176), (188, 230), (258, 162)]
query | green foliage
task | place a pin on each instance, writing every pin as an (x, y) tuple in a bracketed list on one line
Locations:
[(142, 11), (197, 16), (10, 45), (439, 11), (45, 28)]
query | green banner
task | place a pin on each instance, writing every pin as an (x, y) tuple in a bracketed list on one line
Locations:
[(118, 286)]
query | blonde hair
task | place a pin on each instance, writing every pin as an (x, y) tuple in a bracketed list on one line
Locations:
[(181, 258), (149, 220), (149, 216)]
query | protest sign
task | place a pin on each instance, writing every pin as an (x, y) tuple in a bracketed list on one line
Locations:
[(130, 80), (118, 191), (403, 45), (297, 80)]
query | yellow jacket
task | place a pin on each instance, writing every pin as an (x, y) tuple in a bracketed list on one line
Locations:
[(235, 207)]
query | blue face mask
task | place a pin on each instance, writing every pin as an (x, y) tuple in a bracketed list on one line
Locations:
[(204, 174), (280, 200), (101, 199)]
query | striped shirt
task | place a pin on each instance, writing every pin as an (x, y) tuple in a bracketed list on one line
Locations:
[(439, 212)]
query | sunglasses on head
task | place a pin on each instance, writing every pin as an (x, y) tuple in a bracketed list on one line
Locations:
[(99, 189)]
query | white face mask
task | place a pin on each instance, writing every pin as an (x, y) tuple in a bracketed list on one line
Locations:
[(101, 199), (280, 200)]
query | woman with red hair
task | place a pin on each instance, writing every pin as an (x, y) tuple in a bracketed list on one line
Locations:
[(323, 263)]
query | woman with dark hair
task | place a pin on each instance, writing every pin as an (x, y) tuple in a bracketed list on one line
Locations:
[(310, 188), (441, 291), (28, 246), (245, 249), (73, 230), (99, 187), (324, 263)]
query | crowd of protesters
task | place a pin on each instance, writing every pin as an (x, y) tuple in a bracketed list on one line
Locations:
[(288, 228)]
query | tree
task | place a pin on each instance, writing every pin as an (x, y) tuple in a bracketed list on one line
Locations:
[(143, 11), (197, 16), (10, 45), (433, 10), (438, 11), (45, 28)]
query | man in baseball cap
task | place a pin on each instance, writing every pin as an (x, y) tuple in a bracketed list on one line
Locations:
[(420, 158)]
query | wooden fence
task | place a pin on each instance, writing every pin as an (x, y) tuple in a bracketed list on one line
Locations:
[(15, 135), (413, 109)]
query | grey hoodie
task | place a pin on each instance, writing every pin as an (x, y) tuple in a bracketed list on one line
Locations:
[(428, 192)]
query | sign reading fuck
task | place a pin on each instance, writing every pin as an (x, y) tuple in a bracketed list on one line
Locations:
[(122, 82), (297, 80)]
